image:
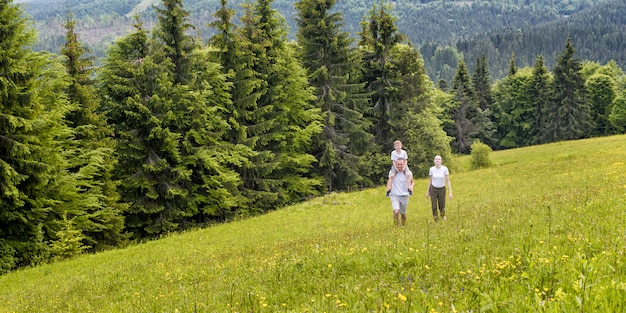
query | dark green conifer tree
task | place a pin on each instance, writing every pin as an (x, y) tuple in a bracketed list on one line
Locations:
[(466, 114), (208, 157), (236, 59), (177, 44), (284, 119), (137, 95), (540, 94), (233, 52), (298, 122), (401, 106), (481, 82), (97, 214), (379, 36), (199, 95), (569, 111), (332, 68), (33, 176), (515, 109), (512, 66)]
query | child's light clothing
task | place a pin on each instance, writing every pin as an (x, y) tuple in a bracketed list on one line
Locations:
[(396, 156), (402, 155)]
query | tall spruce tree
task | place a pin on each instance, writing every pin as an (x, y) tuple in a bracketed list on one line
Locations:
[(213, 185), (172, 30), (466, 114), (379, 36), (199, 94), (284, 119), (569, 113), (33, 176), (512, 65), (540, 93), (174, 159), (98, 215), (137, 96), (261, 30), (298, 123), (243, 55), (237, 61), (332, 68), (481, 82)]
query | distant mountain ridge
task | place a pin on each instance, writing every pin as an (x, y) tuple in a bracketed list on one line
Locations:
[(141, 7), (597, 33), (469, 26)]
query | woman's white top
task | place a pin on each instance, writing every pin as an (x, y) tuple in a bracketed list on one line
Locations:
[(438, 176)]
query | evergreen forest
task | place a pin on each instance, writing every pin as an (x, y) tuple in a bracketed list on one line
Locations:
[(168, 131)]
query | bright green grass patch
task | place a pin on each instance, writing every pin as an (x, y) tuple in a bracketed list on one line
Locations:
[(541, 231)]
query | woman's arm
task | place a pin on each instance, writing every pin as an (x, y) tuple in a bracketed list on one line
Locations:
[(449, 185)]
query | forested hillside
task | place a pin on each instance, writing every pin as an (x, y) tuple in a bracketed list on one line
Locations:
[(598, 33), (430, 23)]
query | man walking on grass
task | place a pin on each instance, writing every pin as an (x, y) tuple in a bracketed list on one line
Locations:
[(401, 189)]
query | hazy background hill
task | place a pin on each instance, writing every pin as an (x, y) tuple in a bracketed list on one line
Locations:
[(469, 28), (598, 34)]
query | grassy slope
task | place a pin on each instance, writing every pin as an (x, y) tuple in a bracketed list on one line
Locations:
[(543, 230)]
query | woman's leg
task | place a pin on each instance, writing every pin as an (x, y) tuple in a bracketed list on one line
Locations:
[(433, 201), (441, 196)]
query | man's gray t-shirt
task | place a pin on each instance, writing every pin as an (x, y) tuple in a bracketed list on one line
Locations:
[(400, 186)]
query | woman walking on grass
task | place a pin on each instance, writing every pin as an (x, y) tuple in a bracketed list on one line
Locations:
[(439, 177)]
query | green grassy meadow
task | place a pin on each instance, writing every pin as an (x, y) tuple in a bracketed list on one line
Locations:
[(543, 230)]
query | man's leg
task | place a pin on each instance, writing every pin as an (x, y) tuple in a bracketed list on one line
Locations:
[(396, 218), (395, 206), (404, 203)]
